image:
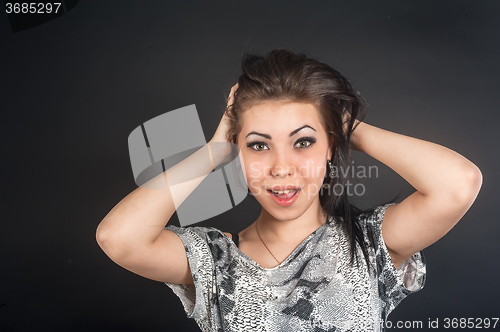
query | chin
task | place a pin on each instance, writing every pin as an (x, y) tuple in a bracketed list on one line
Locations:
[(285, 215)]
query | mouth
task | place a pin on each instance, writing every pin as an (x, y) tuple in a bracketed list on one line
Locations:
[(285, 194), (285, 198)]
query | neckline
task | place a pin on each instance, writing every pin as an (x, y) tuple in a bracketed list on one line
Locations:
[(254, 263)]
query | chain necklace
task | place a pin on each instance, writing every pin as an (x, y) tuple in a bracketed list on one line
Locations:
[(260, 237), (265, 244)]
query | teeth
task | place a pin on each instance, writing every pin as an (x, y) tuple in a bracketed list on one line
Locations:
[(281, 192)]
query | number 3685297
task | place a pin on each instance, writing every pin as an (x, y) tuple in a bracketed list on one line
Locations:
[(32, 7)]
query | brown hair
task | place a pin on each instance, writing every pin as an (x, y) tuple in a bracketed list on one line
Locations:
[(285, 76)]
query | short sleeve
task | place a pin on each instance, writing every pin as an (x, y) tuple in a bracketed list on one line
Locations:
[(393, 284), (196, 299)]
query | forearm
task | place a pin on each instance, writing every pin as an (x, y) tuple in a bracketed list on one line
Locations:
[(432, 169), (138, 219)]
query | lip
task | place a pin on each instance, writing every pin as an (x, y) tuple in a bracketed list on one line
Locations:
[(285, 202)]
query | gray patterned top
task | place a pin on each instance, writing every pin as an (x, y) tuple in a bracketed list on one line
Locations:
[(314, 289)]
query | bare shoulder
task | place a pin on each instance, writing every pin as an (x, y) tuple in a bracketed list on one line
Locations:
[(229, 235)]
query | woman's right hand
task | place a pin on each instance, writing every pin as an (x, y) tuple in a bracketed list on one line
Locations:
[(220, 133)]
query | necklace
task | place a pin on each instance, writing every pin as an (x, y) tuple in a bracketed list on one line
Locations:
[(260, 237), (265, 244)]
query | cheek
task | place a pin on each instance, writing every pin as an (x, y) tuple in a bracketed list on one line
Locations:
[(312, 169), (312, 173), (254, 171)]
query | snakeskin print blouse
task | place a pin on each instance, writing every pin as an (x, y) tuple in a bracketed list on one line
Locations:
[(314, 289)]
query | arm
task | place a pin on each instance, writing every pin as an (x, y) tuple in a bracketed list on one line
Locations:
[(132, 234), (446, 182)]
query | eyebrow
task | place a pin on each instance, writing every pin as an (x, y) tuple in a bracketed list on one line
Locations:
[(269, 136)]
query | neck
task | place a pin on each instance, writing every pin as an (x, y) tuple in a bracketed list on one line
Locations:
[(291, 231)]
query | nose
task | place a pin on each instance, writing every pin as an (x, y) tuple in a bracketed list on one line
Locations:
[(281, 166)]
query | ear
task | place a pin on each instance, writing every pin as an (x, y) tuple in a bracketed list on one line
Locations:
[(331, 146)]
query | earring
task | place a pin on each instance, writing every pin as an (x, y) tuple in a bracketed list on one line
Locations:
[(332, 174)]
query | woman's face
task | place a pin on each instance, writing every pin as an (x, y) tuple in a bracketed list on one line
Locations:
[(284, 145)]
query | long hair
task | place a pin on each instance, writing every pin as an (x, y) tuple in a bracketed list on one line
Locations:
[(283, 75)]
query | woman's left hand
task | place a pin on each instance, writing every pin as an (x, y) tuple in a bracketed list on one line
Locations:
[(353, 142)]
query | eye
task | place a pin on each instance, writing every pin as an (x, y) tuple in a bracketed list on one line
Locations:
[(306, 142), (259, 144), (302, 143)]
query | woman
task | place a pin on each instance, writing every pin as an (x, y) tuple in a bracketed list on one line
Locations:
[(311, 261)]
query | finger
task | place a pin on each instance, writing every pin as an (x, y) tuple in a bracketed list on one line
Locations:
[(231, 94), (233, 89)]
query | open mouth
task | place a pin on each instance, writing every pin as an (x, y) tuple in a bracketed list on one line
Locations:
[(286, 194)]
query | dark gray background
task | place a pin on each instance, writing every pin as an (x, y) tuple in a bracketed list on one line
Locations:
[(74, 88)]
